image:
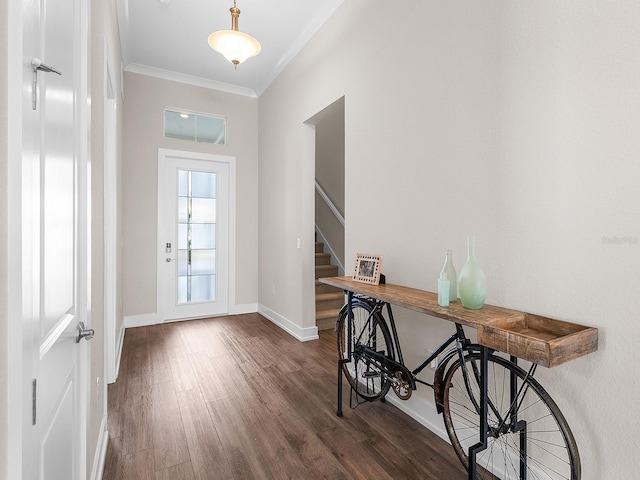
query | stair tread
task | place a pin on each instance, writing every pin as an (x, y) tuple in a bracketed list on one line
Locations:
[(323, 259), (329, 300), (322, 314), (330, 296), (326, 267)]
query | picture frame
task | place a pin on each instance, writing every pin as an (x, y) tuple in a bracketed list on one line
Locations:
[(367, 268)]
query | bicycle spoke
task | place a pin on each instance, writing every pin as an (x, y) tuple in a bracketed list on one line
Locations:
[(528, 414)]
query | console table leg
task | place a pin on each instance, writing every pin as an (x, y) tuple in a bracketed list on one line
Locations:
[(340, 363), (482, 445)]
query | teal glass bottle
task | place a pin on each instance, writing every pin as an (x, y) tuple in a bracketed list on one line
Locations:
[(472, 281)]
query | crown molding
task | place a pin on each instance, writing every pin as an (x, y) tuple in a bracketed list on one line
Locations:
[(310, 30), (190, 80)]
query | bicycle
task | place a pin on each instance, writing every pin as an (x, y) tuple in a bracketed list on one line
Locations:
[(516, 430)]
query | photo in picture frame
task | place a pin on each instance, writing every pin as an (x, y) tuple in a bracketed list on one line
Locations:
[(367, 268)]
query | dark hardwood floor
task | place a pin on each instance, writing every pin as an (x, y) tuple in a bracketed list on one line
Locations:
[(238, 398)]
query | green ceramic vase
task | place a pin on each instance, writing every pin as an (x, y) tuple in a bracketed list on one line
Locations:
[(472, 284)]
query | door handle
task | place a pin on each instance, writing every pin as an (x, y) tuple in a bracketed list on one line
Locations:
[(168, 260), (82, 332), (38, 66)]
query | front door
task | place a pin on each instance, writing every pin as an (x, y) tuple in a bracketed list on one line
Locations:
[(54, 239), (193, 235)]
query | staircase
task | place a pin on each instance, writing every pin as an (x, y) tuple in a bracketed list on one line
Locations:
[(329, 300)]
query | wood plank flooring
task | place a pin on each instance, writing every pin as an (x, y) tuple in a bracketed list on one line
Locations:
[(237, 398)]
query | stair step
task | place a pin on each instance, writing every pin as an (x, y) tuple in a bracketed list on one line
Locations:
[(326, 271), (329, 301), (326, 323), (333, 313), (324, 288), (321, 297), (323, 258), (326, 319)]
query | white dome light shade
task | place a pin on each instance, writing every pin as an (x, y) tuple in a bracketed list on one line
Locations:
[(235, 46)]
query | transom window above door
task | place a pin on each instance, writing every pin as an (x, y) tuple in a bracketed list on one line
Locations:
[(196, 127)]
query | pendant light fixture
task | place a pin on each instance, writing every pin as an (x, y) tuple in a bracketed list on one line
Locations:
[(234, 45)]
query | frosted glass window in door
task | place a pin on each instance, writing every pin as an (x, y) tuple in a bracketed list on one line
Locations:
[(196, 259), (203, 210)]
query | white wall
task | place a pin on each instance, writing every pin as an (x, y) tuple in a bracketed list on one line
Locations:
[(104, 28), (145, 98), (517, 122), (3, 236)]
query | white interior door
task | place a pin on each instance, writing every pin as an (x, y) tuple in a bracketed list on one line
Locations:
[(54, 240), (193, 235)]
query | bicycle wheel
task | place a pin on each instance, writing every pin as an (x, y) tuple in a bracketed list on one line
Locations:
[(365, 375), (538, 435)]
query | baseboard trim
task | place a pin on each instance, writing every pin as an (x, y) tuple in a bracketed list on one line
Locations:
[(140, 320), (422, 412), (302, 334), (101, 451), (119, 349), (243, 308), (146, 319)]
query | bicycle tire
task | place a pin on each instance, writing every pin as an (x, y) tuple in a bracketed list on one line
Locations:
[(551, 450), (364, 375)]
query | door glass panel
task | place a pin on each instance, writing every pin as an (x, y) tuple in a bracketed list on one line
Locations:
[(203, 288), (203, 210), (182, 210), (203, 184), (203, 236), (182, 289), (183, 236), (183, 183), (203, 262), (196, 265), (182, 263)]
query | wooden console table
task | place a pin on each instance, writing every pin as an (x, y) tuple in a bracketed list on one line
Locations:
[(545, 341)]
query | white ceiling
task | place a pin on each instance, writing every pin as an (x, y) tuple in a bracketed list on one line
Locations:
[(169, 40)]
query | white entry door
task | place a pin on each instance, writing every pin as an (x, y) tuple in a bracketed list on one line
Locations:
[(53, 237), (193, 234)]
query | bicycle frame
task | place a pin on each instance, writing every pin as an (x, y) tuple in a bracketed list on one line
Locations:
[(458, 337), (395, 362)]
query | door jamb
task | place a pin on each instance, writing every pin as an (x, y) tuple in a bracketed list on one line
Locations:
[(14, 261), (110, 222)]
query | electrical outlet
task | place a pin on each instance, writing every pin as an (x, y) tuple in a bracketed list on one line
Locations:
[(434, 363), (273, 289)]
